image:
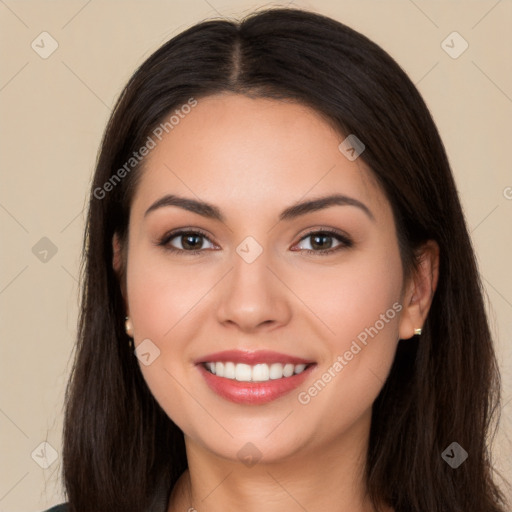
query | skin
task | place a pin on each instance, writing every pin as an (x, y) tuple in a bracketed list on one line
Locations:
[(252, 158)]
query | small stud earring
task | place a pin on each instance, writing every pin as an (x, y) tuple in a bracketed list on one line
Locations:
[(417, 332), (128, 327)]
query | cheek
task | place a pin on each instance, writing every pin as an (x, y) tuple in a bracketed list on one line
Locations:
[(160, 296), (350, 298)]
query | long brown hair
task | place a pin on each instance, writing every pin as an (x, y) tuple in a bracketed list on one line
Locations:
[(119, 445)]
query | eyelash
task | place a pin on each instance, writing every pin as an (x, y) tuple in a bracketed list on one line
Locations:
[(346, 242)]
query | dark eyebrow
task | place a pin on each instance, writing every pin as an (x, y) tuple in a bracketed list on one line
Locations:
[(212, 212), (321, 203)]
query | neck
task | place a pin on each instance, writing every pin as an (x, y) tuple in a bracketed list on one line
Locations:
[(315, 478)]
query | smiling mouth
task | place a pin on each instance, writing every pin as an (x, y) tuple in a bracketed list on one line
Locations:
[(254, 373)]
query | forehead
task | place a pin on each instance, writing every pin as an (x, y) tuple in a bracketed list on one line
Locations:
[(253, 155)]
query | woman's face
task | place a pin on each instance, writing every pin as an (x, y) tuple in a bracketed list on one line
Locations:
[(262, 282)]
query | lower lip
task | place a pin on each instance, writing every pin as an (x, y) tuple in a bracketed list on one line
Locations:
[(253, 392)]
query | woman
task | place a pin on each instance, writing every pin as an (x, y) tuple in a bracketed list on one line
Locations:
[(281, 306)]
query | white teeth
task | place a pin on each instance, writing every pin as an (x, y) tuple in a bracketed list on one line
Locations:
[(229, 370), (242, 372), (276, 371), (299, 368), (260, 372), (257, 373), (288, 370)]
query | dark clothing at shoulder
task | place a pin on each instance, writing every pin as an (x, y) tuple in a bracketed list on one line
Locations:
[(158, 504), (63, 507)]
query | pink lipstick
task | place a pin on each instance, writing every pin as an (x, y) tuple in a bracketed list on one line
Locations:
[(253, 377)]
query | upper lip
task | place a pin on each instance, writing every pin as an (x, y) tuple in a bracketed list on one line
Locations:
[(251, 358)]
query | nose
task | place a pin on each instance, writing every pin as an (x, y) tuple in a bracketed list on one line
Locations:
[(252, 297)]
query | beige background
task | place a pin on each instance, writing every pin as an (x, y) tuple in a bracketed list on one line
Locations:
[(53, 112)]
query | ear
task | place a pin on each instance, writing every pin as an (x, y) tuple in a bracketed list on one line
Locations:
[(420, 291), (118, 263)]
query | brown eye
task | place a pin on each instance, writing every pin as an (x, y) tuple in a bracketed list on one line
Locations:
[(188, 241), (191, 241), (322, 242)]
